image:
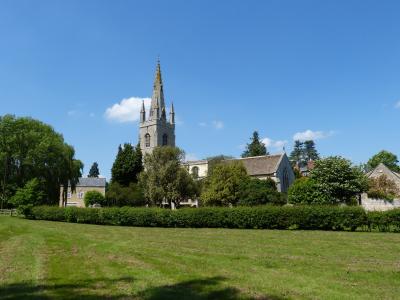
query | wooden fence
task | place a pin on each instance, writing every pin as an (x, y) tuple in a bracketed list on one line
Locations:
[(8, 212)]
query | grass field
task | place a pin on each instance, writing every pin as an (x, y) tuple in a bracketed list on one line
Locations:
[(47, 260)]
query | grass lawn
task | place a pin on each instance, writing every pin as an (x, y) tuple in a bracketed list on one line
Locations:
[(47, 260)]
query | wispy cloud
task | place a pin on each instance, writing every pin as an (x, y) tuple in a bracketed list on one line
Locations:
[(311, 135), (203, 124), (127, 110), (72, 113), (191, 157), (218, 124), (397, 105), (276, 145)]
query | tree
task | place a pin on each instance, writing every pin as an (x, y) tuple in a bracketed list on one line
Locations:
[(118, 195), (338, 179), (216, 160), (310, 153), (387, 158), (257, 192), (31, 149), (127, 165), (383, 188), (305, 191), (223, 186), (28, 196), (165, 179), (256, 147), (94, 197), (297, 154), (94, 170)]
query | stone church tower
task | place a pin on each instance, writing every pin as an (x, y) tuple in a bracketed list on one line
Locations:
[(155, 130)]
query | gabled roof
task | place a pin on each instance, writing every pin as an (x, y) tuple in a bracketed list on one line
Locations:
[(261, 165), (91, 182), (382, 169)]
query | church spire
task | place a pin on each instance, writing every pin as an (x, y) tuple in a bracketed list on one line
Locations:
[(172, 114), (157, 99), (142, 113)]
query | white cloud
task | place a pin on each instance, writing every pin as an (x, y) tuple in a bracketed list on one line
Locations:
[(218, 124), (311, 135), (191, 157), (397, 105), (128, 110), (72, 113), (270, 143)]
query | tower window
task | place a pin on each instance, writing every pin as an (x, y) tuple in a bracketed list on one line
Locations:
[(147, 140), (165, 140)]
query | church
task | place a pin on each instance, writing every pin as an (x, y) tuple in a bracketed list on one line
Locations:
[(155, 130)]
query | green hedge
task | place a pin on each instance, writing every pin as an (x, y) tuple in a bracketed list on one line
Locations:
[(262, 217)]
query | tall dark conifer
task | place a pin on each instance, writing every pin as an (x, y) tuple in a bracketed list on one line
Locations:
[(256, 147)]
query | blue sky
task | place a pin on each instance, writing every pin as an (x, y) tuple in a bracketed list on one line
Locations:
[(323, 69)]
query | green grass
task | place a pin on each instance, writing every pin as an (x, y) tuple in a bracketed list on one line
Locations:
[(47, 260)]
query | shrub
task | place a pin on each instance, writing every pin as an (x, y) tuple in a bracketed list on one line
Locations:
[(313, 217), (305, 191), (94, 197), (28, 196), (254, 191)]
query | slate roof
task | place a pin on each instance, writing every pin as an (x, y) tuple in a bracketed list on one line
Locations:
[(261, 165), (91, 182)]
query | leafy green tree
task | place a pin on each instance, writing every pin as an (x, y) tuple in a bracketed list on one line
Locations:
[(216, 160), (310, 152), (305, 191), (338, 179), (28, 196), (94, 170), (164, 177), (254, 191), (297, 154), (387, 158), (31, 149), (223, 186), (127, 165), (94, 197), (256, 147), (118, 195)]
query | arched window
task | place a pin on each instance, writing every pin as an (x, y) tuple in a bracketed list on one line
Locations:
[(147, 140), (195, 172), (165, 139)]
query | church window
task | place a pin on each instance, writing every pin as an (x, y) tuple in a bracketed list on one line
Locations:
[(285, 181), (147, 140), (195, 172), (165, 140)]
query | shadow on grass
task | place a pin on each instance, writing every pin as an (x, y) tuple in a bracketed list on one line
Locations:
[(199, 289)]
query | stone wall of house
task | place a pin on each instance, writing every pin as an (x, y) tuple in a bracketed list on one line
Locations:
[(378, 204), (76, 198)]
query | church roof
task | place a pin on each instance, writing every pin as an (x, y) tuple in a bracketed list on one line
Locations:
[(261, 165)]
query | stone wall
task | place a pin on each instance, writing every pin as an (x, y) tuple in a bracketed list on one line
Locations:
[(378, 204)]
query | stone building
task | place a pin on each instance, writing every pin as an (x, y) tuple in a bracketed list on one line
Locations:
[(84, 185), (154, 128), (277, 167), (380, 204)]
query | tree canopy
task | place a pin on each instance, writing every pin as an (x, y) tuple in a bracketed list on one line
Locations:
[(255, 147), (94, 170), (337, 178), (303, 152), (31, 149), (387, 158), (127, 164), (164, 177)]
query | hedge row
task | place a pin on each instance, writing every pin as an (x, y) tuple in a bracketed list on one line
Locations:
[(265, 217)]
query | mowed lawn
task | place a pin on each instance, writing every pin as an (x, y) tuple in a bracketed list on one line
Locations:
[(50, 260)]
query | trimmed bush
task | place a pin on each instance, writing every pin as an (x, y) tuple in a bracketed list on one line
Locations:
[(94, 197), (343, 218)]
